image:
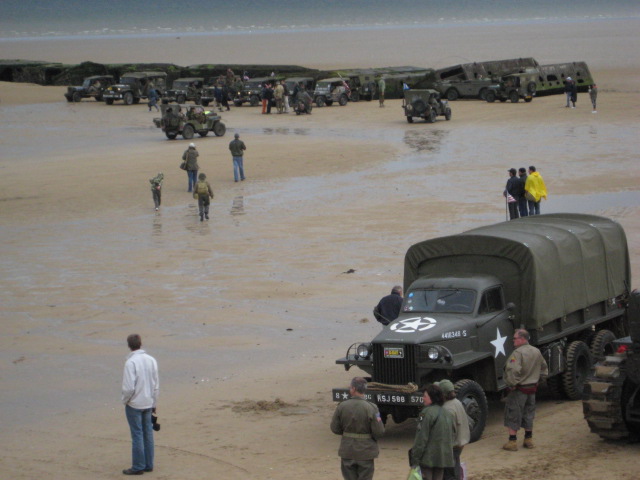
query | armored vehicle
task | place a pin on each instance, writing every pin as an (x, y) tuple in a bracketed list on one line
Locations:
[(564, 277), (91, 87), (612, 399), (513, 87), (187, 120), (251, 92), (453, 90), (425, 104), (331, 90), (184, 90), (135, 86)]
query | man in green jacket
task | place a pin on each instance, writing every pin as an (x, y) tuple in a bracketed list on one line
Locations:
[(359, 423)]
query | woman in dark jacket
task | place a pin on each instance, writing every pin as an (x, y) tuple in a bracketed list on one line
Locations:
[(433, 446)]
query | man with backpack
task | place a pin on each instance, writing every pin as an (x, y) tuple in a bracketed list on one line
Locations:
[(203, 193)]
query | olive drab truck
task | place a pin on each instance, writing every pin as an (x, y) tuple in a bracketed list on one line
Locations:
[(563, 277)]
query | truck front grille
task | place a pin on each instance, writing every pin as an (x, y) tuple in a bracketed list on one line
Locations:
[(394, 371)]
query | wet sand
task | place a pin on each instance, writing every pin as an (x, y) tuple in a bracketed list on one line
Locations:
[(247, 313)]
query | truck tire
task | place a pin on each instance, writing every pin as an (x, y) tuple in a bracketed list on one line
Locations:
[(431, 117), (602, 345), (475, 404), (490, 96), (171, 135), (219, 129), (254, 100), (452, 94), (575, 376), (203, 133), (419, 106), (447, 114), (108, 101), (531, 88), (607, 397), (188, 131), (128, 98), (320, 101), (205, 103), (355, 97), (237, 103), (554, 385), (343, 100), (410, 119), (514, 97), (77, 97), (483, 94)]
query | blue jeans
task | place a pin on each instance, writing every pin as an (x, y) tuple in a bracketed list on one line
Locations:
[(141, 438), (522, 206), (238, 168), (534, 208), (193, 178)]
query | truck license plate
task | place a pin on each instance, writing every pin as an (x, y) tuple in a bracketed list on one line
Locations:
[(394, 352)]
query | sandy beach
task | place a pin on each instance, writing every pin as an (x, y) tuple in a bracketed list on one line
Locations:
[(246, 313)]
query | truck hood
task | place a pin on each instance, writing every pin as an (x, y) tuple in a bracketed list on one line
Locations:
[(427, 328)]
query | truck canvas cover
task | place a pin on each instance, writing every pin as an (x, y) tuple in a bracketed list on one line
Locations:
[(549, 265)]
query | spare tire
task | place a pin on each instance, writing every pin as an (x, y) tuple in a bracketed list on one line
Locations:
[(531, 88), (419, 106)]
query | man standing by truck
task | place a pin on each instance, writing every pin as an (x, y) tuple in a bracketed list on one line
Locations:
[(388, 307), (524, 369), (359, 423)]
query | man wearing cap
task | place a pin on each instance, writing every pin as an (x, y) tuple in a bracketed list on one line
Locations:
[(237, 148), (523, 371), (461, 428), (191, 157), (512, 193), (359, 423), (522, 201)]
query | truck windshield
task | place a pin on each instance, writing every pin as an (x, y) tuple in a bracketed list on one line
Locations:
[(446, 300)]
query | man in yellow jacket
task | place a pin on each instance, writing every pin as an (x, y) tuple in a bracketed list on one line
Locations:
[(535, 190)]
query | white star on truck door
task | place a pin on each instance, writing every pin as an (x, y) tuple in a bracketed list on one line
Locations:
[(498, 344)]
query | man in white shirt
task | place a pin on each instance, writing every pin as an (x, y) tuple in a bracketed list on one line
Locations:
[(140, 387)]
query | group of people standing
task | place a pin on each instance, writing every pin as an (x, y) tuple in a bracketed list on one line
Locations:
[(197, 182), (275, 93), (524, 193), (571, 92)]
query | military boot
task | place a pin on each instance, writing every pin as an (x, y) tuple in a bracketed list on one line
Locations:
[(511, 446), (528, 443)]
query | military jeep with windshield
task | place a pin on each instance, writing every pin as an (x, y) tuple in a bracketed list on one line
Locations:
[(184, 90), (331, 90), (187, 120), (251, 91), (425, 104), (135, 86), (91, 87), (513, 87)]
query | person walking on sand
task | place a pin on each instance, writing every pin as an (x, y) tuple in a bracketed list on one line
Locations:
[(153, 98), (593, 94), (523, 371), (203, 193), (535, 190), (191, 157), (237, 148), (360, 424), (140, 387), (382, 85), (156, 189)]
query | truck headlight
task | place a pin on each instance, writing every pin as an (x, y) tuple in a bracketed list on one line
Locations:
[(363, 350), (433, 353)]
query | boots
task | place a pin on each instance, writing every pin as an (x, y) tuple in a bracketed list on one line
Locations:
[(511, 446), (528, 443)]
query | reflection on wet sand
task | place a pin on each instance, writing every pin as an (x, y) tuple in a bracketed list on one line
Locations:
[(425, 140), (237, 208), (286, 131)]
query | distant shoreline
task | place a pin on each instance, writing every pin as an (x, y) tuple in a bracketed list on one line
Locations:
[(298, 29)]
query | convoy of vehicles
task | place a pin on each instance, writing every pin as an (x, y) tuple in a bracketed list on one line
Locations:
[(563, 277), (91, 87), (187, 120), (135, 86), (425, 104)]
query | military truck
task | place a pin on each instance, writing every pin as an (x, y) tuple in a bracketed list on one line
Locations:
[(187, 120), (184, 90), (135, 86), (91, 87), (425, 104), (513, 87), (564, 277), (612, 398), (453, 90), (331, 90)]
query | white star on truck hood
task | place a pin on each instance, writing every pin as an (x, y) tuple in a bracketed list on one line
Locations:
[(498, 344)]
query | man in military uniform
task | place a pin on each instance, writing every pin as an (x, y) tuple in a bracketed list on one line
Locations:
[(524, 369), (359, 423)]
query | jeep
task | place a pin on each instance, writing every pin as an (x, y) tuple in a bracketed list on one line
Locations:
[(425, 104), (91, 87), (187, 120), (513, 87), (135, 86), (184, 90)]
